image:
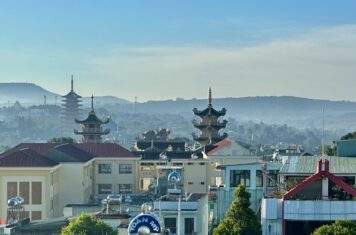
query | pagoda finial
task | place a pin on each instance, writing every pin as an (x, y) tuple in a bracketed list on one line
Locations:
[(71, 84), (92, 103), (210, 97)]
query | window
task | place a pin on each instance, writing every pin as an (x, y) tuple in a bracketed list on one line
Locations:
[(171, 224), (272, 178), (125, 188), (259, 178), (11, 190), (238, 177), (202, 183), (36, 215), (104, 168), (177, 164), (190, 183), (190, 163), (202, 163), (37, 193), (188, 226), (125, 168), (25, 191), (104, 188)]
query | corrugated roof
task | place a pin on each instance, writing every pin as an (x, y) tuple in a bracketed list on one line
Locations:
[(308, 165), (26, 158)]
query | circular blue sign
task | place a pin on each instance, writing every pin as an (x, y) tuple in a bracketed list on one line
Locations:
[(147, 221)]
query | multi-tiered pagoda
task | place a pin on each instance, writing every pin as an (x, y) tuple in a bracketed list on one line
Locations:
[(209, 125), (71, 109), (92, 130)]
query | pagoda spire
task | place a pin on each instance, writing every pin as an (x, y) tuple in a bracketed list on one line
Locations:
[(92, 103), (209, 124), (71, 84)]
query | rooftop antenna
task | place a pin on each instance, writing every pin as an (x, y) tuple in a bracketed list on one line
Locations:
[(322, 134), (210, 98), (45, 99), (71, 84)]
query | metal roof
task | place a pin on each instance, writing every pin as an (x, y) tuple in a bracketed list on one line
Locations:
[(308, 165)]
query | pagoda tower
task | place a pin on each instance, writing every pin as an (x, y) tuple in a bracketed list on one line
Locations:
[(92, 130), (71, 109), (209, 125)]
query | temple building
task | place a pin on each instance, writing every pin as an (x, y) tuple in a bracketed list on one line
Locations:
[(71, 109), (209, 125), (92, 129)]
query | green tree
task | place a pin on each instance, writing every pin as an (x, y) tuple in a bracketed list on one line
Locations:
[(349, 136), (239, 219), (87, 225), (62, 140), (340, 227)]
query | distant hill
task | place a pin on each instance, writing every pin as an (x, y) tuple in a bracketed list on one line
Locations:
[(32, 94), (296, 111), (25, 93)]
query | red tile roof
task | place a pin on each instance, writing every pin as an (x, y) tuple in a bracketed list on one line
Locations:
[(105, 150), (26, 158), (75, 152), (220, 145), (38, 147)]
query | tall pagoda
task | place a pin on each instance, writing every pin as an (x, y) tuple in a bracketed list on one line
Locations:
[(92, 130), (209, 125), (71, 109)]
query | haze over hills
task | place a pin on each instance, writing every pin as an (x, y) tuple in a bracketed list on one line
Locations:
[(32, 94), (294, 111)]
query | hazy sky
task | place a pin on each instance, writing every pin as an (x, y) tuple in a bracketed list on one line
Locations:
[(167, 49)]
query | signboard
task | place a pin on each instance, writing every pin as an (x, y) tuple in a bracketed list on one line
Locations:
[(144, 223)]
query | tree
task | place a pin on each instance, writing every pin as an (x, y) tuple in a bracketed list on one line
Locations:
[(340, 227), (62, 140), (349, 136), (239, 219), (87, 225)]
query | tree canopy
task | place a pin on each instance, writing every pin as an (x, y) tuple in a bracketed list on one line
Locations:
[(340, 227), (349, 136), (239, 219), (62, 140), (87, 225)]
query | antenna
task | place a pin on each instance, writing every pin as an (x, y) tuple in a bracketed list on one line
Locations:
[(322, 134), (135, 104), (71, 84), (45, 99)]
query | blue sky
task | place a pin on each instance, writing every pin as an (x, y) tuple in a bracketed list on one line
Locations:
[(168, 49)]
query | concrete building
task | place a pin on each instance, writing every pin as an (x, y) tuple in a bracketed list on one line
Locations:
[(318, 196), (251, 175), (50, 176)]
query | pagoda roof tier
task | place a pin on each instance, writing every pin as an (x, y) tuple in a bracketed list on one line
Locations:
[(92, 119), (214, 138), (215, 125), (97, 132), (209, 111), (72, 94)]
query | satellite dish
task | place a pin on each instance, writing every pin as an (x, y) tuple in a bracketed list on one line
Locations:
[(174, 177), (163, 156), (194, 156)]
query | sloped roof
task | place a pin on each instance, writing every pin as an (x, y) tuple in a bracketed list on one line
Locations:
[(26, 158), (37, 147), (220, 145), (69, 153), (105, 150), (307, 165), (93, 119)]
